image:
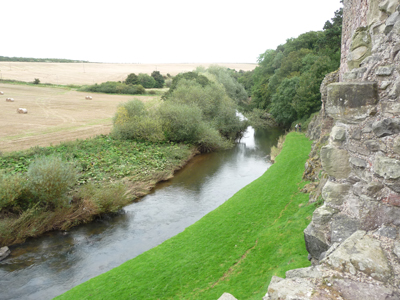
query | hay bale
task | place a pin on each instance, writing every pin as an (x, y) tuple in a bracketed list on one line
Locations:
[(1, 93), (22, 111), (88, 97), (10, 99)]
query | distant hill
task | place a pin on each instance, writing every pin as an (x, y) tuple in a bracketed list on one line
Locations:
[(30, 59)]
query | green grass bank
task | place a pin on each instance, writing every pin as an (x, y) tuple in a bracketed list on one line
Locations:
[(236, 248)]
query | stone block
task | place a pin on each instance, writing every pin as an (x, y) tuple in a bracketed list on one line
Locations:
[(314, 245), (342, 227), (372, 145), (335, 161), (335, 193), (386, 127), (384, 70), (351, 102), (358, 162), (386, 167), (4, 252), (322, 215)]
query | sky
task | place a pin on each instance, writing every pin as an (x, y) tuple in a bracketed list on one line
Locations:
[(156, 31)]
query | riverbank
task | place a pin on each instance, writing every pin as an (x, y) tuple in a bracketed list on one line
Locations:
[(111, 174), (236, 248)]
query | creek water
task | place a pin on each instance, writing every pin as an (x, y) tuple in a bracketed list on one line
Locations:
[(45, 267)]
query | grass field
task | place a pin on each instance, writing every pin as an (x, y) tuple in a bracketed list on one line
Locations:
[(236, 248), (54, 115), (90, 73)]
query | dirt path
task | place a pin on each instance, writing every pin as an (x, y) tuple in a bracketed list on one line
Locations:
[(54, 115)]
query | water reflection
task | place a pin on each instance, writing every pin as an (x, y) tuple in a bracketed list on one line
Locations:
[(48, 266)]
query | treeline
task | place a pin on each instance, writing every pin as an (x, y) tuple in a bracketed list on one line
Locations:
[(287, 80), (30, 59), (132, 85)]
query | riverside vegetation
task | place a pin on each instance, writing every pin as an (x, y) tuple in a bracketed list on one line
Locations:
[(236, 248), (61, 186)]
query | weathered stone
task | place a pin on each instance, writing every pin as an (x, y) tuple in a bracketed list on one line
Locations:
[(373, 187), (309, 272), (291, 288), (393, 18), (335, 193), (4, 252), (226, 296), (355, 290), (358, 162), (356, 134), (387, 167), (384, 71), (396, 145), (390, 107), (367, 257), (393, 199), (351, 102), (338, 134), (314, 245), (358, 148), (395, 51), (342, 227), (389, 232), (372, 145), (388, 6), (360, 47), (384, 84), (322, 215), (335, 161), (395, 90), (396, 248), (386, 127), (395, 185)]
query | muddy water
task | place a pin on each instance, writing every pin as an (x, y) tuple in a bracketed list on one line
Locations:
[(48, 266)]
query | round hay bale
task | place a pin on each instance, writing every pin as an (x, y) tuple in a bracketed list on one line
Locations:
[(1, 93), (22, 111), (10, 99)]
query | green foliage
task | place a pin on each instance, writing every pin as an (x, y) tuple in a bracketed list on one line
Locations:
[(48, 180), (132, 79), (11, 188), (193, 76), (158, 78), (36, 81), (134, 121), (287, 80), (30, 59), (224, 76), (113, 87), (146, 81)]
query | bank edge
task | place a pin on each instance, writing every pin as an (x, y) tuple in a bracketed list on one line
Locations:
[(236, 248)]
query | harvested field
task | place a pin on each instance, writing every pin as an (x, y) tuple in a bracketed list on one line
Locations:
[(55, 115), (90, 73)]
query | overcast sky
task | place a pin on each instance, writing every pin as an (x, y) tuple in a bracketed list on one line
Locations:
[(158, 31)]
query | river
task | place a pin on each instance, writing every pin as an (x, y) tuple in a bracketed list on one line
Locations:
[(45, 267)]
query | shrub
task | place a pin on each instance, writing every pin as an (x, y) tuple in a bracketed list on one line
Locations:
[(181, 122), (36, 81), (146, 81), (48, 179), (11, 188), (113, 87), (109, 199), (131, 79)]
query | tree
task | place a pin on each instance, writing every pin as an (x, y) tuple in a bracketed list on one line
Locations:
[(132, 79), (158, 78), (146, 81)]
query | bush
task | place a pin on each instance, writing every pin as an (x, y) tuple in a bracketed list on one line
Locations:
[(133, 121), (48, 179), (110, 199), (158, 78), (36, 81), (181, 122), (11, 188), (113, 87), (146, 81)]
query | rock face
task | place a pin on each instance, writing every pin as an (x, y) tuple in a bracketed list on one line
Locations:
[(354, 237)]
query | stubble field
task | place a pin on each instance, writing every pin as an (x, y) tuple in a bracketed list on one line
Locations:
[(57, 114)]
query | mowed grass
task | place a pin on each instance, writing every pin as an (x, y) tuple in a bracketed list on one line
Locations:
[(236, 248)]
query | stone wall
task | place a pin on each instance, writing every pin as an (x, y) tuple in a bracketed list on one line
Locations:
[(354, 237)]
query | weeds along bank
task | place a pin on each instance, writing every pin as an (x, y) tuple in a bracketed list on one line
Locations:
[(236, 248), (61, 186)]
